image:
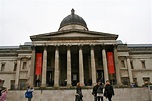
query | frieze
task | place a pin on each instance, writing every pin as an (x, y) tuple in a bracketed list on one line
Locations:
[(74, 42)]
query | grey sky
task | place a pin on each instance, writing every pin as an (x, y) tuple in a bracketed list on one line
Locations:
[(130, 19)]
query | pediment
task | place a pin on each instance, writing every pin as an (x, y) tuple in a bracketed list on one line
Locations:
[(74, 34)]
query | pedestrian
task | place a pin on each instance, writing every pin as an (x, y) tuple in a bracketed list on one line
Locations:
[(98, 91), (79, 94), (94, 91), (109, 92), (38, 83), (3, 94), (29, 93)]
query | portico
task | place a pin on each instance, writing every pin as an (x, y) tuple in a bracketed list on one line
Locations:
[(65, 65), (73, 54)]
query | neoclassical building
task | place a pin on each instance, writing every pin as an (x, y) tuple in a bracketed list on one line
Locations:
[(75, 54)]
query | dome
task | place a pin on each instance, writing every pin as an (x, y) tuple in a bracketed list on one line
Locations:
[(73, 19)]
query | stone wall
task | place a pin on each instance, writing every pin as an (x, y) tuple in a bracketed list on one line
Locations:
[(121, 94)]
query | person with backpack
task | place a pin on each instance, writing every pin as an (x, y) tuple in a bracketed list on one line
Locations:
[(109, 92), (29, 93), (98, 91)]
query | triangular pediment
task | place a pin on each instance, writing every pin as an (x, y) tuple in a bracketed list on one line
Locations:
[(74, 34)]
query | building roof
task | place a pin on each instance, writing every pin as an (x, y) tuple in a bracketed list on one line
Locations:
[(139, 45), (73, 19), (9, 47)]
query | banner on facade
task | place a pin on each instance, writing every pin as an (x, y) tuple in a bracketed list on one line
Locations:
[(110, 62), (38, 64)]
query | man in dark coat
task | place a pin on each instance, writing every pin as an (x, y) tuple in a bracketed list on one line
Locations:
[(109, 92), (95, 90)]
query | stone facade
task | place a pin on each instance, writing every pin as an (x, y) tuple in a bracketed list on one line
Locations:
[(75, 54)]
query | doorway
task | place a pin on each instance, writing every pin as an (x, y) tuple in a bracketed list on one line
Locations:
[(100, 75), (75, 79), (49, 80)]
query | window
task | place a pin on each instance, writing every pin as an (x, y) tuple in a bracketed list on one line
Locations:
[(143, 64), (122, 63), (22, 83), (15, 66), (125, 81), (2, 66), (1, 83), (12, 84), (24, 65), (131, 63), (146, 79), (134, 79)]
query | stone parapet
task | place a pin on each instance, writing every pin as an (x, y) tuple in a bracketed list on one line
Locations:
[(121, 94)]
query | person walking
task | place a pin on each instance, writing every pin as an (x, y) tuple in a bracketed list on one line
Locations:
[(29, 93), (38, 83), (79, 94), (3, 94), (109, 92), (98, 91), (94, 91)]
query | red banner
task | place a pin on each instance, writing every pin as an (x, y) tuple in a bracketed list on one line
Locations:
[(38, 64), (110, 63)]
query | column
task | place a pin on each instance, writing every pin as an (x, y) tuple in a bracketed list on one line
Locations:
[(129, 70), (31, 77), (81, 71), (44, 67), (93, 68), (104, 57), (89, 66), (17, 73), (56, 74), (68, 66), (117, 67)]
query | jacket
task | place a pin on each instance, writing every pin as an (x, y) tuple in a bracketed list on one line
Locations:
[(108, 90), (30, 93), (100, 89), (78, 91)]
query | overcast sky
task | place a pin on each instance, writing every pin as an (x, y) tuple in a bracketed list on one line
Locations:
[(130, 19)]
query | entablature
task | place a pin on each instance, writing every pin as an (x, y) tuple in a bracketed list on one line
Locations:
[(71, 42)]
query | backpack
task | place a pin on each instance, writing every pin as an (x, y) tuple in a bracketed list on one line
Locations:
[(27, 94), (100, 89)]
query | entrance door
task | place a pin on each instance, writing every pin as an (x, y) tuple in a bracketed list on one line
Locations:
[(100, 75), (49, 79), (75, 79)]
